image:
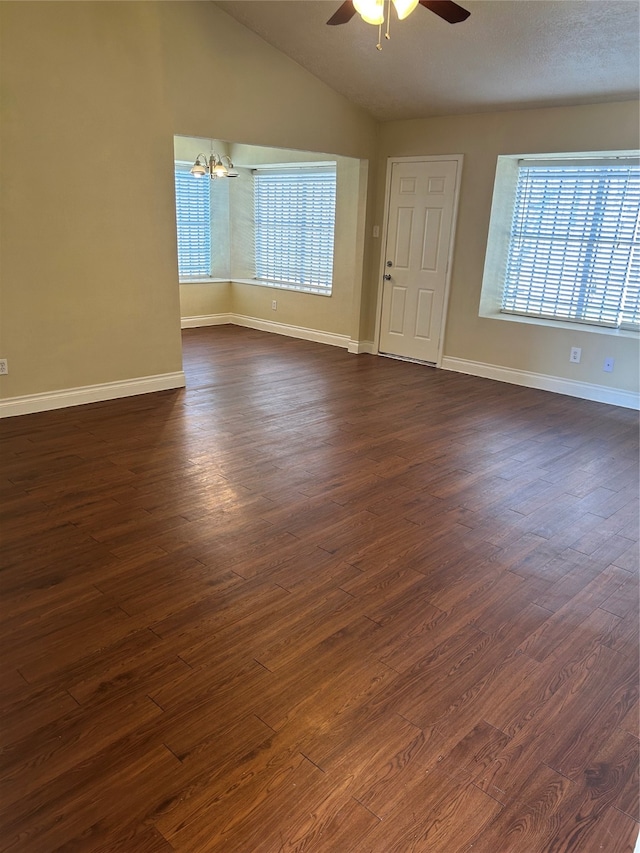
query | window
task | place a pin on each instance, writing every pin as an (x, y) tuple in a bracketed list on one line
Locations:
[(193, 217), (573, 251), (294, 212)]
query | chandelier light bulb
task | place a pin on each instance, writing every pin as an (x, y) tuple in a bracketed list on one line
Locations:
[(198, 170), (219, 169)]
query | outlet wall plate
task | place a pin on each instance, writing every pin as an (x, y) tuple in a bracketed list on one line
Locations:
[(4, 366), (575, 355)]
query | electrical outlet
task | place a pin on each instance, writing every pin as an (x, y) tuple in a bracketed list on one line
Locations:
[(4, 366), (274, 305), (608, 365), (576, 355)]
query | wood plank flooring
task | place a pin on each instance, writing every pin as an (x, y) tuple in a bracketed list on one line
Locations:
[(320, 602)]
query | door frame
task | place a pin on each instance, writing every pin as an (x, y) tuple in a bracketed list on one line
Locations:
[(426, 158)]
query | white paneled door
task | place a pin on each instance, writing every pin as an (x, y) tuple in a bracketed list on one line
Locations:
[(422, 201)]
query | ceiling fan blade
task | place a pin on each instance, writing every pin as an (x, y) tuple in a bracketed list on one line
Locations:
[(446, 9), (343, 15)]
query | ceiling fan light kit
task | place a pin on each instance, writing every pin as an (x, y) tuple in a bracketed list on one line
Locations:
[(373, 12)]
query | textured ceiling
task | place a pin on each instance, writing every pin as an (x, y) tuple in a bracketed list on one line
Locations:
[(508, 54)]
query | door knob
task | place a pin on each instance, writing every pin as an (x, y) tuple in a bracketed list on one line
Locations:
[(387, 277)]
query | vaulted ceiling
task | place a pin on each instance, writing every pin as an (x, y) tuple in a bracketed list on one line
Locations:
[(507, 54)]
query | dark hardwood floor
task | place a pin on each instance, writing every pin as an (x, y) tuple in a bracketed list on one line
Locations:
[(320, 602)]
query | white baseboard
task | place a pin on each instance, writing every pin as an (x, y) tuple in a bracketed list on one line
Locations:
[(269, 326), (48, 400), (206, 320), (292, 331), (584, 390), (362, 346)]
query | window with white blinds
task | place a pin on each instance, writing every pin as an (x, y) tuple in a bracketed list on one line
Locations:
[(574, 251), (294, 213), (193, 217)]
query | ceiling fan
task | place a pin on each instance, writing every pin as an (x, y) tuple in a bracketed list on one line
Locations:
[(372, 11)]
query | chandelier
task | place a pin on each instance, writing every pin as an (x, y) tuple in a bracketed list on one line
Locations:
[(215, 165)]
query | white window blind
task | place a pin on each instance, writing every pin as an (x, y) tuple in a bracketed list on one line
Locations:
[(574, 252), (294, 227), (193, 217)]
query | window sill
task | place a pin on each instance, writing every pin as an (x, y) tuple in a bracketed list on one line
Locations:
[(203, 280), (560, 324), (314, 291)]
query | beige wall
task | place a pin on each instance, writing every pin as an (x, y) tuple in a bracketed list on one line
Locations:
[(481, 138), (88, 289), (93, 94), (205, 299), (267, 99)]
